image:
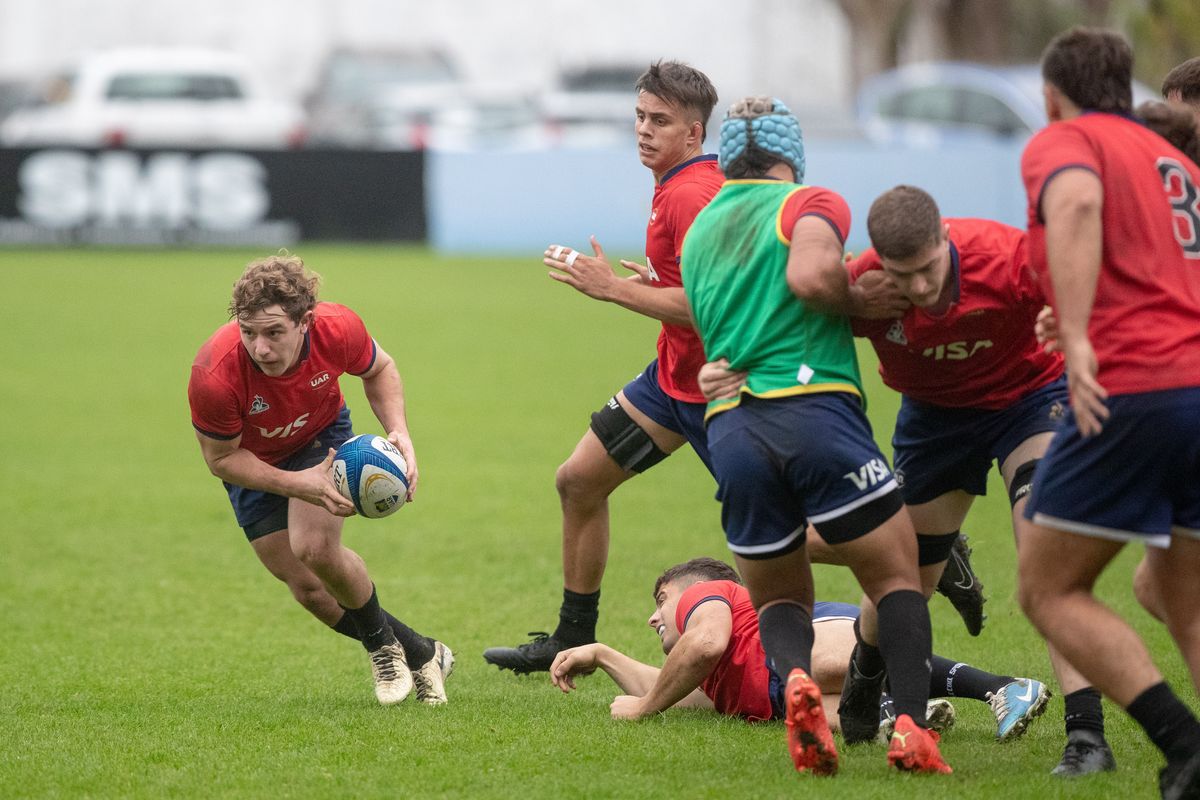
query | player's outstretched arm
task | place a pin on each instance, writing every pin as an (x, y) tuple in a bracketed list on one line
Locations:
[(385, 393), (690, 661), (594, 277), (631, 675), (1071, 205), (229, 462)]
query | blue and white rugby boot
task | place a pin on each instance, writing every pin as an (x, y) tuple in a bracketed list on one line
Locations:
[(1017, 704)]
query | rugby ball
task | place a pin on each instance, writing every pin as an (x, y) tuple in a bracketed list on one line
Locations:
[(370, 472)]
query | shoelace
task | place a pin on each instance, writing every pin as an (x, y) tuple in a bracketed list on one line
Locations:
[(999, 703), (539, 638), (385, 668)]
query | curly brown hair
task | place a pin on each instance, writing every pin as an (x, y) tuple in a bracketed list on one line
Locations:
[(275, 280)]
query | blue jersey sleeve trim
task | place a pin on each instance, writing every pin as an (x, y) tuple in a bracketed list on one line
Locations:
[(374, 352), (1054, 175), (222, 436), (832, 224), (700, 602)]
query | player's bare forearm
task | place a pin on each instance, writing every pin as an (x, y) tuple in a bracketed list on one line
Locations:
[(385, 392), (594, 277), (631, 675), (691, 660), (665, 304), (233, 464)]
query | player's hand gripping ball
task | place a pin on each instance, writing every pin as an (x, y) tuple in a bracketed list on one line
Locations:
[(370, 472)]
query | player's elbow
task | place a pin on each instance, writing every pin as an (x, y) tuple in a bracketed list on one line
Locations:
[(817, 290), (216, 464), (807, 286)]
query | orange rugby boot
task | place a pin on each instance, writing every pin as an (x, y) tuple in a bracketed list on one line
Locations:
[(914, 749), (809, 741)]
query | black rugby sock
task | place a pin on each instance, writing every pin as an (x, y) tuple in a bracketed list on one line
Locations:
[(906, 641), (1167, 721), (418, 649), (346, 627), (373, 629), (1084, 711), (867, 658), (956, 679), (787, 637), (577, 618)]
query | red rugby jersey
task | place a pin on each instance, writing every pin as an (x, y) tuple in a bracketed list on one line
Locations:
[(277, 417), (739, 684), (678, 198), (982, 352), (1145, 322)]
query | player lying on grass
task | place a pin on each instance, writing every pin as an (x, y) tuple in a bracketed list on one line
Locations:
[(976, 388), (268, 414), (715, 660)]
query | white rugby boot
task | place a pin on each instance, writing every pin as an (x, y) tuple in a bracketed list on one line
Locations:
[(393, 679), (430, 679)]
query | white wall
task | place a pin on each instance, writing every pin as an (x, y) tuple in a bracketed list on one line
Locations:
[(792, 48)]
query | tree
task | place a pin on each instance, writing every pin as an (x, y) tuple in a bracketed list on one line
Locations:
[(1164, 33), (873, 35)]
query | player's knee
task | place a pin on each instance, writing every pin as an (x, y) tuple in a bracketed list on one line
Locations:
[(315, 553), (1145, 589), (575, 485), (1032, 599)]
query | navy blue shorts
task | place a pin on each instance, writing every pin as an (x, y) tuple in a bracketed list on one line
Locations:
[(1138, 479), (938, 449), (260, 513), (822, 611), (783, 462), (686, 419)]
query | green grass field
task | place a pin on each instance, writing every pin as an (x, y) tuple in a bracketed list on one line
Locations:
[(148, 654)]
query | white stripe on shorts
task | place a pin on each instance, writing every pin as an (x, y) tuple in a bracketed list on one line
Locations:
[(862, 501), (754, 549), (1101, 532)]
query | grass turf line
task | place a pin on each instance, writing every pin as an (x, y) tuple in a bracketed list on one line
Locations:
[(149, 655)]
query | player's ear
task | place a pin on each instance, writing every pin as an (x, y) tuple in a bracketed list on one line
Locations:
[(306, 321)]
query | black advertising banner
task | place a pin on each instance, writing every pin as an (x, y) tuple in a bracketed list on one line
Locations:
[(70, 196)]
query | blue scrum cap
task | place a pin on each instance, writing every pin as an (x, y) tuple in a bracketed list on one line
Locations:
[(766, 124)]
